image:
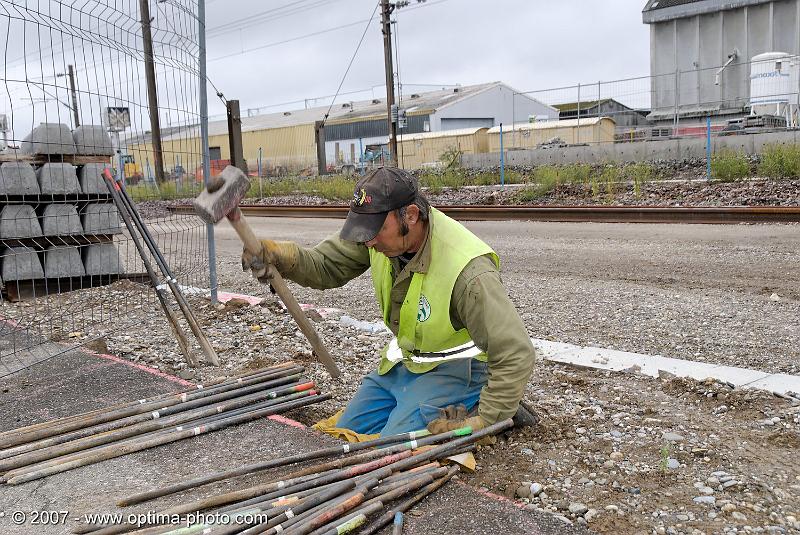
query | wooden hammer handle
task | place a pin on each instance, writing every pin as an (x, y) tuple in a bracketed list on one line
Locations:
[(253, 245)]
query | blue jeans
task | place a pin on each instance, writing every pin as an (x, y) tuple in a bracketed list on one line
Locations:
[(401, 401)]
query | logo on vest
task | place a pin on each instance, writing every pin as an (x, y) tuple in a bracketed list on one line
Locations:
[(424, 311)]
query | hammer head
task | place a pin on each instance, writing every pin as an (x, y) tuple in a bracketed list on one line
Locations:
[(213, 206)]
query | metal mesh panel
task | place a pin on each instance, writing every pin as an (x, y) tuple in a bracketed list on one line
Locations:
[(74, 101)]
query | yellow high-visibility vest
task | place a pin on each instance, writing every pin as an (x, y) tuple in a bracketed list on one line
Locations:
[(425, 336)]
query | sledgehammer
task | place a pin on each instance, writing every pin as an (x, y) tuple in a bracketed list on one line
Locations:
[(222, 202)]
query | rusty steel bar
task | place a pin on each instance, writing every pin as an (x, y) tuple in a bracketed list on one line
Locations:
[(595, 214)]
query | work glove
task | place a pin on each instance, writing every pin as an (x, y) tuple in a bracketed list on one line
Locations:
[(281, 254), (455, 417)]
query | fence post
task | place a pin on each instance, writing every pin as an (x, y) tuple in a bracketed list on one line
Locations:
[(235, 136), (260, 183), (675, 118), (212, 249), (708, 148), (502, 159)]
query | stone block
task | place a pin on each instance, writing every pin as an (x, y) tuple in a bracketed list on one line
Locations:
[(21, 263), (63, 262), (18, 178), (49, 138), (91, 178), (61, 220), (19, 221), (92, 140), (101, 218), (58, 179), (101, 259)]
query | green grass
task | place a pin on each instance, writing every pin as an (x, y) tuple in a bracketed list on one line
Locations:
[(780, 161), (610, 178), (728, 165), (640, 174)]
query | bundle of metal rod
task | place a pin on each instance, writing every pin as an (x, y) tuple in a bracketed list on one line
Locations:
[(35, 432), (335, 495), (272, 463), (155, 422)]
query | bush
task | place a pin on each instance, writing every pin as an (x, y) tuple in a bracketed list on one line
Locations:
[(780, 161), (640, 174), (728, 165), (575, 174)]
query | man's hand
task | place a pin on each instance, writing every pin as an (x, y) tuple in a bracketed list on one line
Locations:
[(455, 417), (281, 254)]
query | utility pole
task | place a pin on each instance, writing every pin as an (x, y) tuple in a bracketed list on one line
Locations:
[(152, 95), (71, 74), (391, 110)]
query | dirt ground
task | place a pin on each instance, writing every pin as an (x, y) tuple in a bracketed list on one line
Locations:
[(620, 453)]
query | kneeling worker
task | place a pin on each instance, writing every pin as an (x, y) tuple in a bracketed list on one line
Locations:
[(458, 340)]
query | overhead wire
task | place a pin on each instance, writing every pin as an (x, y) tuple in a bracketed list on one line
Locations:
[(358, 47)]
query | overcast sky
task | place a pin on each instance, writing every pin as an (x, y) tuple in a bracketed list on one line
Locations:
[(528, 44), (272, 55)]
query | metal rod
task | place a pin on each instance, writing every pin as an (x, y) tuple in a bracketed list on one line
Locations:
[(208, 351), (265, 465), (141, 406), (166, 438), (183, 343), (387, 517)]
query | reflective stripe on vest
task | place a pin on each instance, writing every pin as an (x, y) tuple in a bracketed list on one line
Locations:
[(465, 351)]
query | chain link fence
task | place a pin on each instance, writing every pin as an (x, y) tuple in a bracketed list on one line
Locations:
[(73, 97)]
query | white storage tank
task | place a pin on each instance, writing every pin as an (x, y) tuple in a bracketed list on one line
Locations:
[(774, 85)]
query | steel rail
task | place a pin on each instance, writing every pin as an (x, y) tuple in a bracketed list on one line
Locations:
[(586, 214)]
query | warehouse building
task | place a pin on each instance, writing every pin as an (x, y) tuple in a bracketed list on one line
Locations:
[(623, 115), (701, 54), (289, 141)]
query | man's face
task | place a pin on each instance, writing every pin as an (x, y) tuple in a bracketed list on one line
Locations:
[(389, 240)]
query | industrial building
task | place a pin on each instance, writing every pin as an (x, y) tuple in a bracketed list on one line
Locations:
[(289, 142), (623, 115), (707, 57)]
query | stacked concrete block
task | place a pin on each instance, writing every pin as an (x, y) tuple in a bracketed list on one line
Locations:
[(58, 179), (21, 263), (63, 262), (92, 140), (91, 178), (49, 138), (61, 220), (101, 218), (19, 221), (18, 178), (101, 259)]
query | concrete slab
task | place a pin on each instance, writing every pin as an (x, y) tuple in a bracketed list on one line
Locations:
[(63, 262), (101, 218), (20, 263), (18, 178), (91, 179), (609, 359), (19, 221), (78, 382), (58, 179), (92, 140), (101, 259), (61, 220), (49, 138)]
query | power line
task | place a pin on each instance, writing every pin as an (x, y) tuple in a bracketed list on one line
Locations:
[(358, 47)]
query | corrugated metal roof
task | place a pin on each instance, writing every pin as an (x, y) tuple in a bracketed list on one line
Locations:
[(665, 10), (344, 112), (443, 133), (543, 125)]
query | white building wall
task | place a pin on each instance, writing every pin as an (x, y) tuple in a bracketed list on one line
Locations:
[(500, 103)]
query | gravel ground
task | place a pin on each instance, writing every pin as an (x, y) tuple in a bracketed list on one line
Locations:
[(686, 457)]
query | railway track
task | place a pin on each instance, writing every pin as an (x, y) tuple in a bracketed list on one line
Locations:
[(587, 214)]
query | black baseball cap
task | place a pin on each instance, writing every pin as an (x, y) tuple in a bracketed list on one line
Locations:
[(381, 191)]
